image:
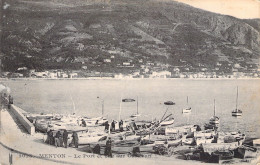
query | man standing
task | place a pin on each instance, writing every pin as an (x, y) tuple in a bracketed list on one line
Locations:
[(57, 139), (113, 125), (83, 123), (109, 148), (106, 126), (75, 139), (121, 126), (65, 138)]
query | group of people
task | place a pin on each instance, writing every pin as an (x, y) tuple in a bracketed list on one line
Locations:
[(113, 126), (60, 139)]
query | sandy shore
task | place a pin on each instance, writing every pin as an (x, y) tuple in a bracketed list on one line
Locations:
[(30, 149)]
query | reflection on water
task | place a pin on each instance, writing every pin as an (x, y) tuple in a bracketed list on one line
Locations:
[(84, 97)]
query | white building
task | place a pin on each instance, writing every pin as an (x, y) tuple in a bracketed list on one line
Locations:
[(107, 60), (161, 74), (126, 63)]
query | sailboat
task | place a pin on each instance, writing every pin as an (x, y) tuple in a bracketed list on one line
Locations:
[(96, 120), (136, 114), (188, 109), (237, 112), (214, 119)]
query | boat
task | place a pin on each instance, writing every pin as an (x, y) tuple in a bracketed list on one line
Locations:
[(169, 103), (128, 100), (210, 126), (237, 112), (204, 139), (87, 138), (136, 114), (214, 119), (221, 155), (231, 137), (188, 108), (188, 141), (97, 121), (167, 122), (32, 117)]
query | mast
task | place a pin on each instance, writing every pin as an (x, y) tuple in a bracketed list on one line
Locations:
[(187, 100), (137, 105), (102, 107), (214, 108), (237, 98), (119, 116)]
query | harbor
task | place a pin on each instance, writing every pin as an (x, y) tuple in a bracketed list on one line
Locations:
[(159, 137)]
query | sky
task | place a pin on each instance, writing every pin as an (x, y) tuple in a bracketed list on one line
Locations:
[(237, 8)]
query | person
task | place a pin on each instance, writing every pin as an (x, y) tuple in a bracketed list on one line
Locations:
[(106, 126), (113, 125), (57, 139), (65, 138), (96, 149), (75, 139), (121, 126), (51, 138), (83, 123), (108, 151), (11, 100), (48, 137)]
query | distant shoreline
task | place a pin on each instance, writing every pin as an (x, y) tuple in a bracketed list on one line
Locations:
[(106, 78)]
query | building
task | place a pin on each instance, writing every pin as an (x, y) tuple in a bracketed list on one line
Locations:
[(126, 63), (161, 74), (107, 60)]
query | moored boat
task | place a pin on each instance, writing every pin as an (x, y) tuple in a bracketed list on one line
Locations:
[(214, 119), (169, 103), (188, 108), (128, 100), (237, 112)]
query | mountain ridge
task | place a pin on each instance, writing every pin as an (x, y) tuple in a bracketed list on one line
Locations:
[(61, 34)]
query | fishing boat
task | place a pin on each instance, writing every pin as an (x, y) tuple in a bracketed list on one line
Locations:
[(221, 155), (169, 103), (188, 141), (204, 139), (97, 121), (136, 114), (87, 138), (210, 126), (237, 112), (128, 100), (170, 121), (214, 119), (32, 117), (188, 108)]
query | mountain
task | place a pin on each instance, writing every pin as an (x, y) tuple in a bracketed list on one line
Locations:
[(64, 34)]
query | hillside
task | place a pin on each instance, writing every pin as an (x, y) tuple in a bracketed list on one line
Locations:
[(61, 34)]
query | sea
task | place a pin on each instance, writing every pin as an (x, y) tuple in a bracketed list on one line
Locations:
[(89, 97)]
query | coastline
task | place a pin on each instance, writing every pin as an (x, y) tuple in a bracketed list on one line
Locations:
[(108, 78)]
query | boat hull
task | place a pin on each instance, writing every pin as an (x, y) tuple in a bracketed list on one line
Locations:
[(186, 110), (236, 114)]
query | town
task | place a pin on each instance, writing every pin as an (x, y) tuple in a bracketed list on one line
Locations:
[(139, 68)]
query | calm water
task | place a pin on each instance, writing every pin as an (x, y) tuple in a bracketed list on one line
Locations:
[(84, 97)]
